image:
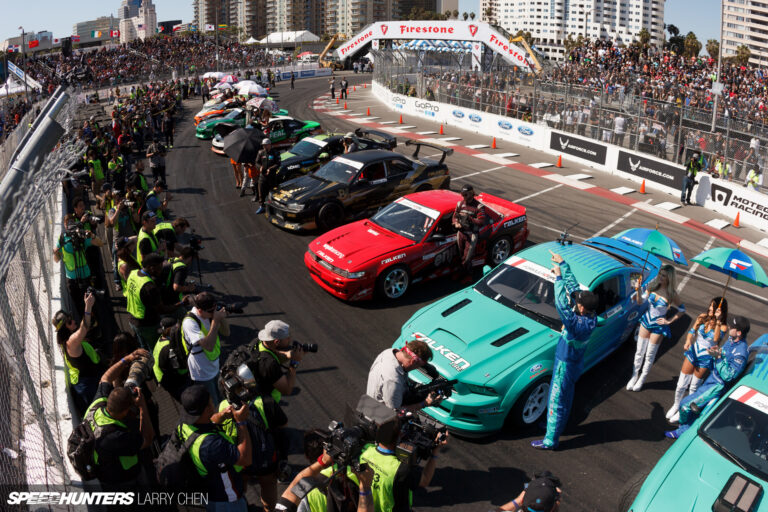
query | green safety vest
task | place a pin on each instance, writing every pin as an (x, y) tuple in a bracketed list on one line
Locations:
[(143, 183), (176, 264), (211, 355), (159, 212), (142, 235), (74, 261), (275, 393), (317, 500), (135, 283), (97, 416), (159, 346), (384, 468), (97, 173), (183, 431), (74, 373)]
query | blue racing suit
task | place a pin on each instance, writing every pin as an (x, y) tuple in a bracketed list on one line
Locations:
[(569, 355), (727, 369)]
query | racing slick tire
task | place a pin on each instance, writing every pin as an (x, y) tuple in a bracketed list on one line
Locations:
[(393, 282), (631, 490), (532, 404), (499, 250), (330, 216)]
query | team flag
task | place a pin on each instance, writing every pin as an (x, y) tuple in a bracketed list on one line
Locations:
[(96, 33), (209, 27), (114, 33), (34, 43), (176, 28), (56, 41), (14, 48), (75, 39)]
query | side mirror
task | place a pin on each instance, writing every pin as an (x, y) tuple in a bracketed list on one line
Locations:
[(486, 269), (601, 321)]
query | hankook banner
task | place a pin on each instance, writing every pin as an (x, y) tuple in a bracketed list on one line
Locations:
[(582, 148), (651, 169)]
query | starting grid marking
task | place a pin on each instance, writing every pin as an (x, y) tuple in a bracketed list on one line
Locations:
[(662, 209)]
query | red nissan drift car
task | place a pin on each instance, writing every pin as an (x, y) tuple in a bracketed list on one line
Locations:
[(410, 240)]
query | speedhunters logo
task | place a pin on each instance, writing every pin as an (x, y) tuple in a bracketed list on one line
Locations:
[(727, 197)]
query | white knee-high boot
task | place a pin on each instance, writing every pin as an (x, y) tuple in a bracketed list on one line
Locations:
[(694, 385), (683, 382), (650, 357), (642, 345)]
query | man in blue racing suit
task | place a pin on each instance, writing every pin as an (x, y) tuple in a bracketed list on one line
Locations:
[(730, 361), (578, 324)]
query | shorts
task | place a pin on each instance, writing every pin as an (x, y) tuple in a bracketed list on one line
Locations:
[(699, 357), (654, 328)]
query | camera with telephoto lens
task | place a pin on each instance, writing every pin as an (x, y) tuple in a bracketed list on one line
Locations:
[(238, 384), (139, 372), (93, 219), (305, 347), (96, 292), (234, 308), (77, 234), (420, 435), (195, 242)]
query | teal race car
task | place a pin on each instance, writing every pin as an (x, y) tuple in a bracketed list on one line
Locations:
[(497, 338), (206, 128), (722, 460)]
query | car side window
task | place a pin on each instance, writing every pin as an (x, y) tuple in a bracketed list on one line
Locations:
[(397, 168), (445, 225), (374, 172), (294, 125), (277, 125), (609, 293)]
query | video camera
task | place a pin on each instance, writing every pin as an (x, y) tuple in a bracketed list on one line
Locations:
[(195, 242), (420, 435), (419, 392)]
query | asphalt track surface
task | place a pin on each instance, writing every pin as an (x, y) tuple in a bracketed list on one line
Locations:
[(612, 433)]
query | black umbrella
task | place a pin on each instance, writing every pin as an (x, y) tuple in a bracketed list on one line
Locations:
[(242, 145)]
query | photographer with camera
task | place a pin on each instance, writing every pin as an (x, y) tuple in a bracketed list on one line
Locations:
[(388, 379), (200, 330), (124, 428), (71, 247), (156, 154), (170, 232), (152, 202), (692, 168), (174, 278), (90, 222), (144, 300), (122, 217), (147, 241), (468, 217), (542, 494), (170, 361), (214, 453)]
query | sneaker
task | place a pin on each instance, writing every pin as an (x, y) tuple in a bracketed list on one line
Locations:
[(255, 199), (242, 192), (675, 418), (260, 210), (540, 445), (284, 472), (672, 434)]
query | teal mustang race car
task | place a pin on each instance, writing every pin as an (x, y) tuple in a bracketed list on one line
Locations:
[(205, 130), (498, 337), (721, 462)]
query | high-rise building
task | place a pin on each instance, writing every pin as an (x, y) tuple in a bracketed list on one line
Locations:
[(745, 22), (348, 17), (97, 30), (141, 26), (128, 9), (551, 21), (405, 6), (246, 14), (295, 15)]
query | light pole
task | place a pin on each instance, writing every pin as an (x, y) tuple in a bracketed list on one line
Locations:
[(23, 65), (719, 67)]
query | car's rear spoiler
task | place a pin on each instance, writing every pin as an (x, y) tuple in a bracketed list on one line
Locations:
[(418, 144), (391, 139)]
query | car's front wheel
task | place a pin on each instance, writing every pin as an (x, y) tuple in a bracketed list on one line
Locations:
[(393, 282), (330, 216), (532, 404), (499, 250)]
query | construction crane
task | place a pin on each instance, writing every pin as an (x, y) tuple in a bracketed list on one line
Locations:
[(330, 63), (536, 56)]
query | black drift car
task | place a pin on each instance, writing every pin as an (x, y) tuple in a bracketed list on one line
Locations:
[(353, 186)]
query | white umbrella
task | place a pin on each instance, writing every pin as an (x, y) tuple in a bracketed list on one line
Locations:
[(255, 102), (223, 86), (270, 106), (230, 79), (213, 74), (253, 90), (244, 83)]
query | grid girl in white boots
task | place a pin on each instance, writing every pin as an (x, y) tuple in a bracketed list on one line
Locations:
[(654, 325), (705, 334)]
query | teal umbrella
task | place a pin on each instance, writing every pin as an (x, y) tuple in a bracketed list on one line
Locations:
[(735, 264), (654, 242)]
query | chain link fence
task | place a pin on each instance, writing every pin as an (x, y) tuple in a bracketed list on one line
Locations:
[(32, 413), (615, 115)]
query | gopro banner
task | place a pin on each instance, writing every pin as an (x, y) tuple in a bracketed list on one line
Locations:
[(651, 169), (582, 148)]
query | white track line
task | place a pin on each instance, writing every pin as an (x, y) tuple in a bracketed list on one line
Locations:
[(617, 221), (539, 193), (542, 226), (477, 146), (718, 224), (622, 191), (478, 172), (694, 267)]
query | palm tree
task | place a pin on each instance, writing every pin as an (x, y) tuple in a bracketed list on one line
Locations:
[(472, 16), (465, 16), (743, 54), (713, 48), (489, 15), (448, 14), (455, 14)]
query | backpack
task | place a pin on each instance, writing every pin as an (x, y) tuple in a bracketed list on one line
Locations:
[(177, 346), (263, 444), (82, 443), (174, 466)]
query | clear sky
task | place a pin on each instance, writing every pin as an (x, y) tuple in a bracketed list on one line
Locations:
[(58, 16)]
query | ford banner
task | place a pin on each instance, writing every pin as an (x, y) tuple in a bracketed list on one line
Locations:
[(582, 148)]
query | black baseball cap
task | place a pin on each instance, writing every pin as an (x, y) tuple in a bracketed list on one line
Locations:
[(152, 259), (165, 323), (739, 323), (161, 184), (540, 496), (123, 241), (589, 300), (194, 400), (467, 188), (148, 216)]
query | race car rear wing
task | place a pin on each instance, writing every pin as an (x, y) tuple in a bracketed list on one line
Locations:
[(386, 137), (446, 151)]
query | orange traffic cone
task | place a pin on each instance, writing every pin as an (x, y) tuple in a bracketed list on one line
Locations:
[(354, 88), (345, 105), (493, 144), (441, 130), (560, 161), (365, 86), (736, 221), (337, 101), (642, 187), (401, 119)]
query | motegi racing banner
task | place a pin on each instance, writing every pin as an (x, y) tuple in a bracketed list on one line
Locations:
[(650, 169), (582, 148)]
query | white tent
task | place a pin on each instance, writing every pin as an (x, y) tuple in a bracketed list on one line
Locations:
[(251, 40), (298, 36), (11, 88)]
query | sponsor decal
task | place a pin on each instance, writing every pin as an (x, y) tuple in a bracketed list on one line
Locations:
[(535, 368), (505, 125), (393, 258), (306, 73), (525, 130), (457, 362), (384, 29), (632, 316), (398, 99), (473, 30), (515, 221), (374, 233), (751, 397), (333, 250), (425, 105), (581, 148), (475, 118), (650, 169), (458, 114), (739, 265), (325, 256), (510, 50), (727, 197), (358, 41), (428, 29), (534, 268)]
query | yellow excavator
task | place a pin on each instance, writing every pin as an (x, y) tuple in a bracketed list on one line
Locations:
[(330, 63), (534, 55)]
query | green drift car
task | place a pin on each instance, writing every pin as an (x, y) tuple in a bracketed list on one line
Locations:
[(498, 337), (721, 462), (205, 130)]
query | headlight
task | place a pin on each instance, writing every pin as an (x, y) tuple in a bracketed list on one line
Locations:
[(481, 390), (353, 275), (294, 207)]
